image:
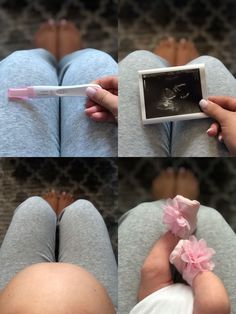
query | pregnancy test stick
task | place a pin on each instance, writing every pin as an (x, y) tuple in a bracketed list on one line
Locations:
[(49, 91)]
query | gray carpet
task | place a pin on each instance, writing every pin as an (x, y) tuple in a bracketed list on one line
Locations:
[(210, 24), (217, 178), (19, 19), (88, 178)]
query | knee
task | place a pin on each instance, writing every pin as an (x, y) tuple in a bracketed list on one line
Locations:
[(208, 61), (35, 205), (137, 55), (93, 59), (95, 54), (151, 277), (33, 201), (23, 56), (152, 268), (28, 60), (206, 212), (81, 208)]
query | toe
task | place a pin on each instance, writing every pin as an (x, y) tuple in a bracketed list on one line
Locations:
[(63, 24), (47, 26), (181, 174), (169, 171), (183, 43), (171, 41), (63, 195)]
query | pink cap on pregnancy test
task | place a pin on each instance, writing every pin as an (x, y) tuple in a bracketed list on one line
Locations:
[(21, 93)]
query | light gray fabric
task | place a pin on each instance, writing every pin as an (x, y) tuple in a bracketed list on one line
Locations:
[(30, 238), (135, 139), (83, 240), (142, 226), (80, 136), (32, 128), (29, 127), (185, 138)]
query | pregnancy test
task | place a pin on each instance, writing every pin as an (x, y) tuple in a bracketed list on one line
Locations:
[(49, 91)]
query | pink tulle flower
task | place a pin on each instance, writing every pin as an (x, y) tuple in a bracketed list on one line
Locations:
[(180, 216), (191, 257), (197, 255)]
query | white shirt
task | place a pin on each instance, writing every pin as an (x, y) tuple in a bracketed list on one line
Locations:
[(174, 299)]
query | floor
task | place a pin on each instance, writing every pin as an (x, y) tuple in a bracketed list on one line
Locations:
[(94, 179), (210, 24), (217, 177), (19, 20)]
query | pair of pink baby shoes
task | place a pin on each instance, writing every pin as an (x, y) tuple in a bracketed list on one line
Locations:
[(190, 256)]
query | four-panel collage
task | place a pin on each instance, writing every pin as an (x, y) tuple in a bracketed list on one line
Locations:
[(117, 157)]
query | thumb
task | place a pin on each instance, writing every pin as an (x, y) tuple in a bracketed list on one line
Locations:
[(213, 110), (103, 98)]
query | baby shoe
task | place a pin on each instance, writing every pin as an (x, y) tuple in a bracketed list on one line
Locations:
[(191, 257), (180, 216)]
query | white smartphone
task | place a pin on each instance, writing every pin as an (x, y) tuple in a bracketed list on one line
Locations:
[(172, 93)]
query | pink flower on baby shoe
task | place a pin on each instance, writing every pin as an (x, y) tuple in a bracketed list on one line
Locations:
[(191, 257), (197, 256), (180, 216)]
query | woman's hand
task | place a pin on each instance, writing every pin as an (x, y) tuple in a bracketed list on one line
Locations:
[(102, 104), (223, 110)]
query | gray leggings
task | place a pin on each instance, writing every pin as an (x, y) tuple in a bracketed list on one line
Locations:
[(83, 241), (178, 139), (52, 127), (141, 227)]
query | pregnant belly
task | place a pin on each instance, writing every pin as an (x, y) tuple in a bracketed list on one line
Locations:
[(54, 288)]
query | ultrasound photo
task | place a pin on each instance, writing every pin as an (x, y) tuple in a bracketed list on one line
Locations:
[(172, 93)]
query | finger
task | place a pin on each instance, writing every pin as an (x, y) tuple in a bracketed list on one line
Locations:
[(213, 110), (89, 103), (107, 82), (103, 98), (102, 117), (225, 102), (94, 109), (213, 129)]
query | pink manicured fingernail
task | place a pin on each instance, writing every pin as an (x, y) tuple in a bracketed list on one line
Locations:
[(203, 103), (90, 91), (209, 130)]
